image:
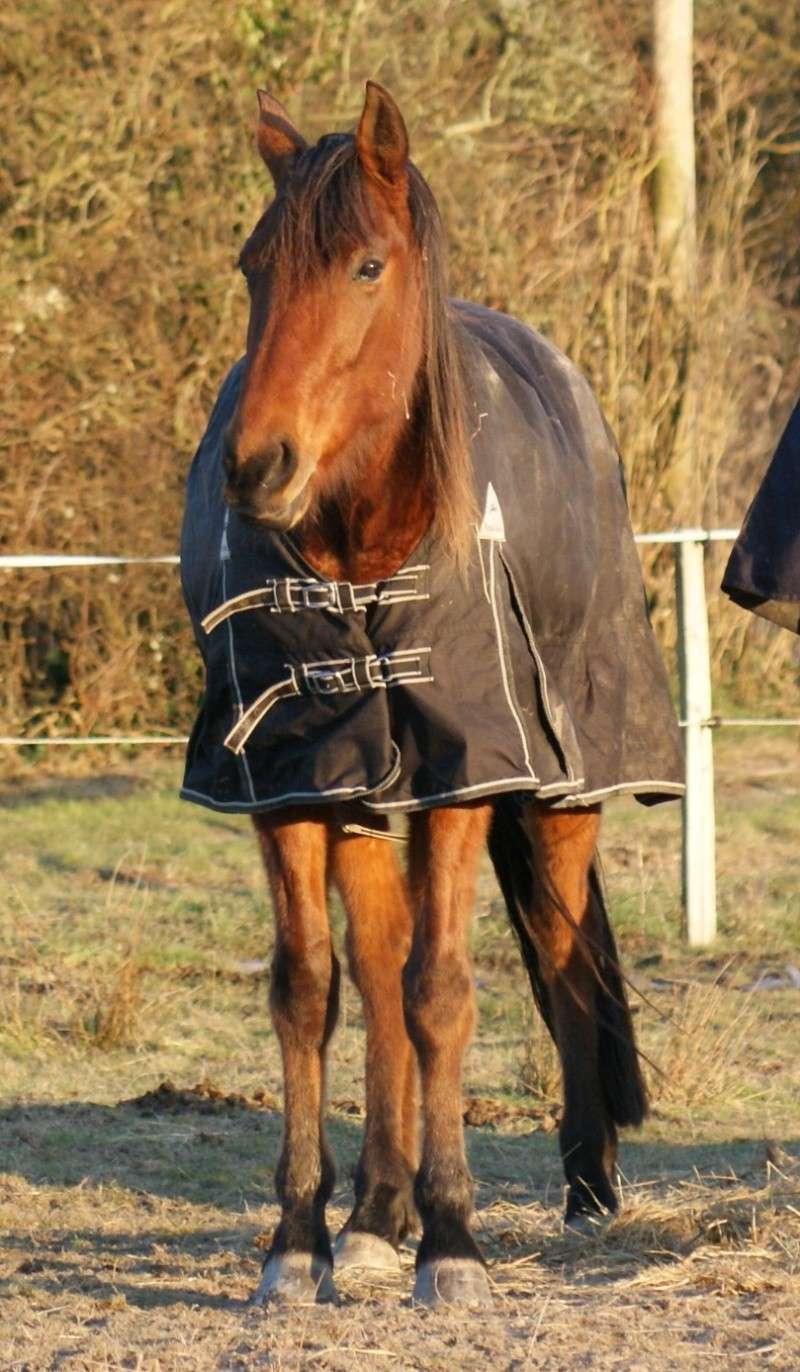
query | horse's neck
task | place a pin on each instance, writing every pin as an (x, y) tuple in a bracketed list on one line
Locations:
[(367, 533)]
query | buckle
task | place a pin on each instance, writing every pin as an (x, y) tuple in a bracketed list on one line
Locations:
[(317, 595), (329, 681), (379, 670)]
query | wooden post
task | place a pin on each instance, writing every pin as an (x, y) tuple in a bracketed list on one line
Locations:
[(674, 206), (675, 194), (694, 666)]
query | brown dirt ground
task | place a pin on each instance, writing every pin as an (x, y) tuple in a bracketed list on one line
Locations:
[(133, 1214)]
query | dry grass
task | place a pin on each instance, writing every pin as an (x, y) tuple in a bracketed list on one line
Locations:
[(114, 1022), (131, 182), (131, 1233), (539, 1073), (107, 1276), (708, 1034)]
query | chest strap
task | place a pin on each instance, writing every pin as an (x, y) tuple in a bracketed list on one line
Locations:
[(336, 676), (288, 594)]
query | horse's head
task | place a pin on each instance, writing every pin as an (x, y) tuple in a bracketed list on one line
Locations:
[(336, 269)]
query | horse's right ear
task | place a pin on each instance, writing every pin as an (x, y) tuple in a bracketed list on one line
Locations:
[(277, 139), (382, 140)]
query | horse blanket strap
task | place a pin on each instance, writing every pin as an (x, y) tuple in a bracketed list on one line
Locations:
[(334, 677), (364, 831), (288, 594)]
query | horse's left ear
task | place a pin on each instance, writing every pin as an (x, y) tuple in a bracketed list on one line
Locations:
[(381, 138), (277, 138)]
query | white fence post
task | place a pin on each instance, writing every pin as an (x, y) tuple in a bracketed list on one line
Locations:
[(694, 665)]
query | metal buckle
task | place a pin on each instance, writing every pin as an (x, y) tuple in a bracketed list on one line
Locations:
[(317, 595), (379, 670), (329, 681)]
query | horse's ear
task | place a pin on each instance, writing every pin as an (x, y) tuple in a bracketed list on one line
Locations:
[(277, 138), (381, 138)]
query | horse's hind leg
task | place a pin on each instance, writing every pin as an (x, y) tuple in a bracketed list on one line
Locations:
[(569, 950), (375, 896), (304, 1002), (445, 845)]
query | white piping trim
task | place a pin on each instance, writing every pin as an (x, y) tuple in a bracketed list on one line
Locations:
[(272, 803), (244, 807), (503, 671), (224, 556), (518, 783), (537, 657), (676, 788), (555, 788), (441, 798), (483, 569)]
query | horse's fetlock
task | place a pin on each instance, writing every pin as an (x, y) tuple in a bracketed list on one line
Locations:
[(305, 1176), (385, 1208), (444, 1188)]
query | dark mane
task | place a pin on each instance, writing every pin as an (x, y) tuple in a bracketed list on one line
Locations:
[(320, 215)]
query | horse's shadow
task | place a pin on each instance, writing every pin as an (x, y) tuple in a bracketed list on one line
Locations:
[(101, 787), (225, 1159), (153, 1263)]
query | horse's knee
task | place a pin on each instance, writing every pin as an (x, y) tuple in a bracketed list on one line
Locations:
[(437, 999), (375, 969), (304, 990)]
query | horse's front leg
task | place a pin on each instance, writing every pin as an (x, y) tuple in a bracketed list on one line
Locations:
[(375, 896), (304, 999), (439, 1010)]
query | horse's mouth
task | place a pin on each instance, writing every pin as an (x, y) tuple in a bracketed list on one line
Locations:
[(275, 518)]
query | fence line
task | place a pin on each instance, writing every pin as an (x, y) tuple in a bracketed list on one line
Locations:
[(697, 720), (22, 560), (31, 560), (8, 741)]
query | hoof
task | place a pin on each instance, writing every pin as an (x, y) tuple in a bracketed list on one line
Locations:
[(297, 1278), (584, 1225), (451, 1281), (357, 1248)]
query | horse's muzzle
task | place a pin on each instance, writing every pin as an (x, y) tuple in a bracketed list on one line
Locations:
[(259, 488)]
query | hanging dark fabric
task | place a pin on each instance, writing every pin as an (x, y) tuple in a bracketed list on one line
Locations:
[(763, 571)]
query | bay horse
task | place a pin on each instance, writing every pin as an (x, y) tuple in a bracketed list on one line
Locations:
[(350, 431)]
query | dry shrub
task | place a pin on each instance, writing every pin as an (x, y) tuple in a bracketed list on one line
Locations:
[(539, 1070), (57, 1014), (699, 1060), (115, 1019), (129, 186)]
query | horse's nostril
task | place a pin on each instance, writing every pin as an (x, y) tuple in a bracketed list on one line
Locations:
[(256, 481), (276, 466), (286, 461)]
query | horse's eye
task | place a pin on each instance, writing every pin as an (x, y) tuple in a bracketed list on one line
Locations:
[(369, 270)]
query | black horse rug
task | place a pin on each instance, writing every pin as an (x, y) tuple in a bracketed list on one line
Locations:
[(763, 571), (535, 672)]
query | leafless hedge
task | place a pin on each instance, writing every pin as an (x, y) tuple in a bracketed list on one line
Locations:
[(128, 184)]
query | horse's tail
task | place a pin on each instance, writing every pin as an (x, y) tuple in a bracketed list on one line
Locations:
[(524, 886), (620, 1068)]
